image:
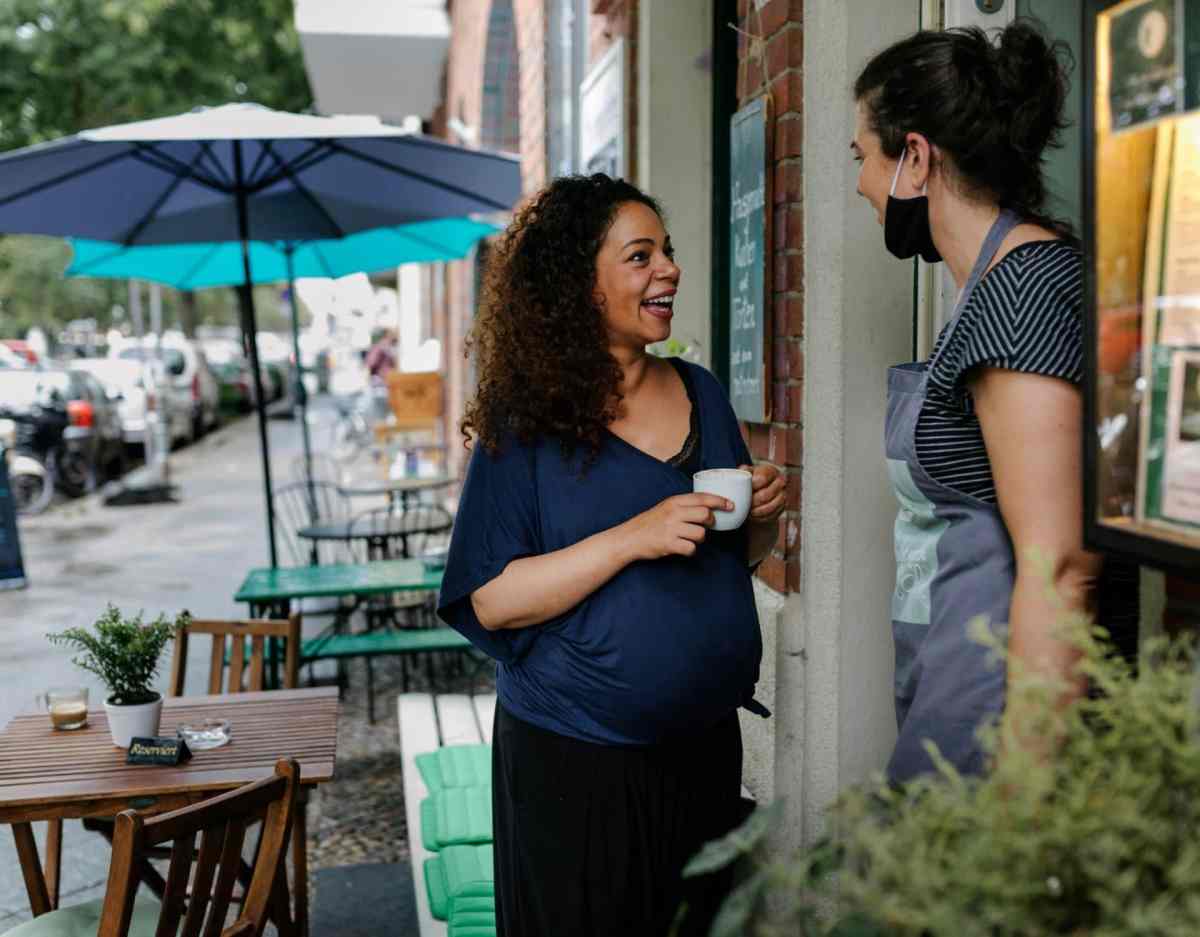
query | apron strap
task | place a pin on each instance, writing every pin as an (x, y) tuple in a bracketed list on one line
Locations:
[(995, 237)]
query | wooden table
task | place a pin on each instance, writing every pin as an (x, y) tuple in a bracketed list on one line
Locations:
[(270, 592), (51, 775)]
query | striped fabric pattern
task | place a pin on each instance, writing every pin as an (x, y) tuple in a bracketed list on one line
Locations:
[(1025, 315)]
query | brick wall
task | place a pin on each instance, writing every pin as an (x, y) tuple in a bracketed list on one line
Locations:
[(531, 48), (774, 59)]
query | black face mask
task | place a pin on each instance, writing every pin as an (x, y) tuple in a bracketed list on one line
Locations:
[(906, 230)]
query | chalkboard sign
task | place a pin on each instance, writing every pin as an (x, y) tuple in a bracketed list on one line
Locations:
[(12, 568), (749, 262)]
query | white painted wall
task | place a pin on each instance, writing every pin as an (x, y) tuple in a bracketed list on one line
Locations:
[(835, 722), (674, 162)]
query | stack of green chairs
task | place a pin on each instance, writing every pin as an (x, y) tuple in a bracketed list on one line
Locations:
[(456, 824), (456, 766)]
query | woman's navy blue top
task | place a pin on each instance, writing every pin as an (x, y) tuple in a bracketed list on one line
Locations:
[(664, 648)]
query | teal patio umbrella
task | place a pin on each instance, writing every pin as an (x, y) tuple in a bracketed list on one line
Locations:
[(196, 266), (192, 266)]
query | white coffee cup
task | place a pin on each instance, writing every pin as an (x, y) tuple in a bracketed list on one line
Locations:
[(733, 484)]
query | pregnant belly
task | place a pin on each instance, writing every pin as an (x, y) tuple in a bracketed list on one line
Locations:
[(644, 679)]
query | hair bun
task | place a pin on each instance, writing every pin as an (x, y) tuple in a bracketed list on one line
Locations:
[(1032, 79)]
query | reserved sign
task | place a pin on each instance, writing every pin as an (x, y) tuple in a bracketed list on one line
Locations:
[(157, 751)]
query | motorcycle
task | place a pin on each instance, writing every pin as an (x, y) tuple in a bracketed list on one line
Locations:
[(28, 479)]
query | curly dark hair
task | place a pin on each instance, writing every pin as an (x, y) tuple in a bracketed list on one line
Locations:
[(539, 343)]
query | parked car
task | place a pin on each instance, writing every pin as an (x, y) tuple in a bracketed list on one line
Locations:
[(276, 356), (22, 348), (125, 384), (65, 420), (233, 374), (190, 378), (10, 360)]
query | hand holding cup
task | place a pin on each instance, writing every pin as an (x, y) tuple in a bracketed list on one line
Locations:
[(769, 487)]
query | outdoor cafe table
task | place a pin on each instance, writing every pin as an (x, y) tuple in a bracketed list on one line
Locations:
[(380, 534), (400, 491), (46, 774), (270, 592)]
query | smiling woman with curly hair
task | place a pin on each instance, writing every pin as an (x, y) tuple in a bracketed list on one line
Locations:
[(539, 342), (582, 561)]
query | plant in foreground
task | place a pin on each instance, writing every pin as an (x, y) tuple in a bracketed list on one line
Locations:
[(1097, 838), (123, 652)]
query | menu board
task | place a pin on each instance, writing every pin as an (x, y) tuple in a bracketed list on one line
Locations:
[(12, 567), (750, 254)]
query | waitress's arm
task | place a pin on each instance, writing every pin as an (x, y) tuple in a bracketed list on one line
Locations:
[(1032, 426)]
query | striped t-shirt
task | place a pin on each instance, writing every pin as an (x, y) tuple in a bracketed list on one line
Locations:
[(1026, 314)]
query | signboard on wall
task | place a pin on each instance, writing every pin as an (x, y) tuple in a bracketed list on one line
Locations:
[(749, 262), (12, 566), (603, 116)]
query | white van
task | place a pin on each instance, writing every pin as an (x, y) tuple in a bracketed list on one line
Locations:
[(192, 385)]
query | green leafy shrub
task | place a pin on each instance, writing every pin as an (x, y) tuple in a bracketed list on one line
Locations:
[(1099, 839), (123, 652)]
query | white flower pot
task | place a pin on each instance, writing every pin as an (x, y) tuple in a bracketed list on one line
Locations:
[(129, 722)]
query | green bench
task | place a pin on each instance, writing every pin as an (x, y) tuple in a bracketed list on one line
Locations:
[(381, 642), (378, 643)]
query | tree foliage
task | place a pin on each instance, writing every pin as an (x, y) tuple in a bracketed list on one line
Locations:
[(70, 65), (73, 64)]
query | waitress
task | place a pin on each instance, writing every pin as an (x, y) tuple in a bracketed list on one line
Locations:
[(984, 439)]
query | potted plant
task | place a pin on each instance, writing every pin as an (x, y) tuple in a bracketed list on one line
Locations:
[(124, 654), (1093, 836)]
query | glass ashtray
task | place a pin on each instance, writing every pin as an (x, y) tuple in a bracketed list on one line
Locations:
[(211, 733)]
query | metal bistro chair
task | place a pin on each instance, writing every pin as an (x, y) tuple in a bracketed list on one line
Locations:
[(220, 823), (413, 532), (302, 504), (324, 469)]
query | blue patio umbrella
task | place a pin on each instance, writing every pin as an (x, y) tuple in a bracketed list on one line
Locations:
[(245, 173), (197, 266)]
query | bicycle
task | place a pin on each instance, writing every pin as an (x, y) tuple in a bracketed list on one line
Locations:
[(354, 427)]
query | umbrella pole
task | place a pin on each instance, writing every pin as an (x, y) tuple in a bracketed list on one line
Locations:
[(289, 251), (250, 331)]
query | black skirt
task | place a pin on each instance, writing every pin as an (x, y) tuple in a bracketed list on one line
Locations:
[(590, 839)]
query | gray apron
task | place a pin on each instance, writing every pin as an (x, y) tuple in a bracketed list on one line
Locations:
[(954, 561)]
